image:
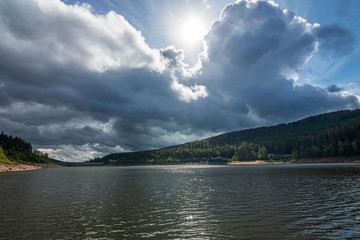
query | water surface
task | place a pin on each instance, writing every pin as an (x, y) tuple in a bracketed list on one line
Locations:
[(182, 202)]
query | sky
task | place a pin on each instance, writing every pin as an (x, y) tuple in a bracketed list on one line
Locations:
[(82, 79)]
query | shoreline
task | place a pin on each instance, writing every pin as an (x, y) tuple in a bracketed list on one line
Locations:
[(257, 162), (21, 167), (5, 167), (352, 159)]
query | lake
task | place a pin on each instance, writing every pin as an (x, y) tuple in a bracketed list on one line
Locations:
[(182, 202)]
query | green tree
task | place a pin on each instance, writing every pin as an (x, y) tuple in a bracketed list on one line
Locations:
[(246, 151), (262, 153)]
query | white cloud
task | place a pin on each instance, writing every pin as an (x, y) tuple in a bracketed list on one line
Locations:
[(80, 153), (179, 71), (188, 94), (72, 34)]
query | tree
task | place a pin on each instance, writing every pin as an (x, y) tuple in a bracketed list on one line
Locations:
[(262, 153), (246, 151), (18, 150)]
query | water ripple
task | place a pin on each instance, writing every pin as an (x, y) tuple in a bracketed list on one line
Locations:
[(183, 202)]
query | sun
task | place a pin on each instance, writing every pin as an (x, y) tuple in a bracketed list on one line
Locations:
[(192, 30)]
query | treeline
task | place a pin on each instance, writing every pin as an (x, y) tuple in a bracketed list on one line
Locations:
[(284, 138), (18, 150), (343, 140), (195, 154), (326, 135)]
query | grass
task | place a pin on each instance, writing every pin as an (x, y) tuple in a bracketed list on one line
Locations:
[(7, 161), (3, 158)]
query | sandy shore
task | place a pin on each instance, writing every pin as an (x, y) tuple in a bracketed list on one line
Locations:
[(18, 167), (353, 159), (253, 162)]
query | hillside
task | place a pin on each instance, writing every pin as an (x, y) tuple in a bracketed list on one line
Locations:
[(17, 150), (327, 135)]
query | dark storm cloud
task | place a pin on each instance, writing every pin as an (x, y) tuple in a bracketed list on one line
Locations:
[(335, 39), (79, 85), (334, 89)]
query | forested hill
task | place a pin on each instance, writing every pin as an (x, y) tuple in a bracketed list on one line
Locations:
[(326, 135), (17, 150), (279, 139)]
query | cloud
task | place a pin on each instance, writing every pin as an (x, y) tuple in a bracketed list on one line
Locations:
[(80, 85), (180, 72), (335, 39), (334, 89), (80, 152), (71, 77), (53, 33), (254, 53)]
